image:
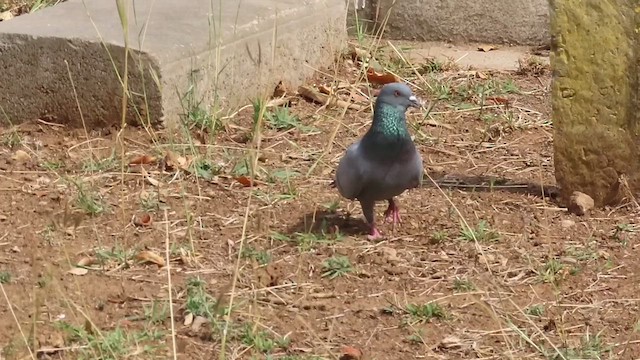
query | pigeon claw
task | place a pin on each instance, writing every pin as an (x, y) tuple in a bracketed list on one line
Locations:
[(392, 213), (374, 234)]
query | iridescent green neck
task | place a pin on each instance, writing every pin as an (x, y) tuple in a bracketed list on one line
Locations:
[(389, 121)]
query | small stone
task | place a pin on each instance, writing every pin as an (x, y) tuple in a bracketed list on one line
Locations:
[(391, 255), (567, 223), (351, 353), (21, 156), (580, 203)]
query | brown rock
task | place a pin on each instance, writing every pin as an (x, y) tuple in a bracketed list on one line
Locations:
[(351, 353), (580, 203)]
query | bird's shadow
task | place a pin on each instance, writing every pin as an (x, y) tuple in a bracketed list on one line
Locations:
[(324, 222), (479, 183)]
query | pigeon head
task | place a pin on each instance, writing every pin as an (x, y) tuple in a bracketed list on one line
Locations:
[(398, 95), (389, 119)]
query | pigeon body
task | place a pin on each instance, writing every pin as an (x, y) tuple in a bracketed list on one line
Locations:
[(384, 162)]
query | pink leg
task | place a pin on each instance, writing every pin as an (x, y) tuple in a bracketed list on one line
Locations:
[(374, 234), (392, 213)]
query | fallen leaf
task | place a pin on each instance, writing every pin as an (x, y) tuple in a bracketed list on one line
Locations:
[(21, 156), (51, 344), (499, 100), (78, 271), (6, 15), (142, 220), (175, 161), (280, 90), (88, 327), (314, 95), (450, 342), (149, 256), (359, 54), (85, 261), (380, 79), (487, 48), (350, 353), (245, 181), (148, 177), (142, 160), (324, 89), (356, 97)]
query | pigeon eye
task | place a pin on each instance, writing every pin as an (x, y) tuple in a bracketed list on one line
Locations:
[(396, 93)]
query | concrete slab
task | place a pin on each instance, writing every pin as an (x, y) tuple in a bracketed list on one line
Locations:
[(229, 50), (504, 58), (517, 22)]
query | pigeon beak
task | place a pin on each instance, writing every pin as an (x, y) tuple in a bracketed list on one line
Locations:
[(413, 101)]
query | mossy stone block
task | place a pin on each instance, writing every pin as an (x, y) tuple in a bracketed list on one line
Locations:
[(595, 97)]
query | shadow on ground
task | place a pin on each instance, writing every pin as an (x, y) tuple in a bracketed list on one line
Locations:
[(491, 184), (323, 221)]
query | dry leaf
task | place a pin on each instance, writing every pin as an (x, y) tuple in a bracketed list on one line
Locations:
[(6, 15), (245, 181), (359, 54), (149, 256), (450, 342), (142, 220), (499, 100), (85, 261), (147, 177), (314, 95), (324, 89), (51, 344), (21, 156), (78, 271), (487, 48), (142, 160), (356, 97), (175, 161), (280, 90), (380, 79), (88, 327)]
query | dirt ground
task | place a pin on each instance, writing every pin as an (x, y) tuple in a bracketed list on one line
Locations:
[(523, 280)]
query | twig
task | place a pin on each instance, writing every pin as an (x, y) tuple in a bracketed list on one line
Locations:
[(321, 98)]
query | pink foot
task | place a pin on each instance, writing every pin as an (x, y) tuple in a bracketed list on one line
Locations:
[(374, 234), (392, 213)]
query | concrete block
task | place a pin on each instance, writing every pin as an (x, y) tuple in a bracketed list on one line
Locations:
[(517, 22), (595, 98), (229, 51)]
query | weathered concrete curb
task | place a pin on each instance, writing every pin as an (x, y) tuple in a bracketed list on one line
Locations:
[(177, 50), (517, 22)]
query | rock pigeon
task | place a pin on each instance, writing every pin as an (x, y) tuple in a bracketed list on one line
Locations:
[(384, 162)]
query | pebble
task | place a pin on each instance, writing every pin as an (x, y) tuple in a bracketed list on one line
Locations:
[(567, 223), (580, 203)]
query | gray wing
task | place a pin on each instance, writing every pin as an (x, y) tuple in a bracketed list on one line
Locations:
[(418, 168), (349, 178)]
